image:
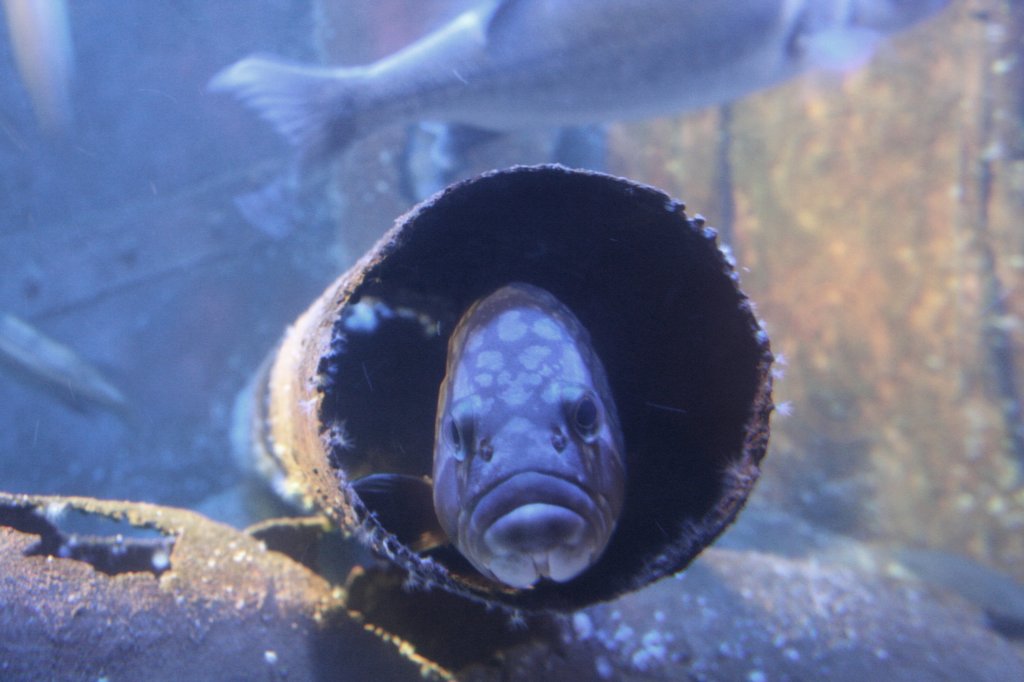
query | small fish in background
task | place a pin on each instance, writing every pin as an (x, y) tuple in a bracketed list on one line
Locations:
[(515, 64), (41, 42), (997, 594), (61, 370)]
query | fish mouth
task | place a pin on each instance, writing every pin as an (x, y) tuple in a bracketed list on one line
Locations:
[(532, 525)]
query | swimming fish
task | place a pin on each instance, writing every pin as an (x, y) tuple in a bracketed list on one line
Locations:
[(529, 460), (41, 42), (52, 364), (997, 594), (513, 64)]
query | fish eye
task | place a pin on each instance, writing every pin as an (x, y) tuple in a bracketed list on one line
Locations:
[(459, 428), (586, 416), (455, 438)]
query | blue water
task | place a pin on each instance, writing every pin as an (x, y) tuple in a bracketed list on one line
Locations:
[(121, 240)]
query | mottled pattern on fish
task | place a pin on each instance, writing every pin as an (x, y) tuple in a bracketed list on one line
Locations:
[(529, 472)]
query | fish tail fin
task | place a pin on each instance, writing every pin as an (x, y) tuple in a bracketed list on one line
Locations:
[(312, 107)]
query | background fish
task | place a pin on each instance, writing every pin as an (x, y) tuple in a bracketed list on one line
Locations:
[(512, 64), (56, 366), (39, 34), (529, 461)]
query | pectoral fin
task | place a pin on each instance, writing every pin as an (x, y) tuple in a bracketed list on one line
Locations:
[(403, 505)]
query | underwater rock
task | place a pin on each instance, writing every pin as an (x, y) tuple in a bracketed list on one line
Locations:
[(997, 594), (768, 529), (750, 616), (353, 389)]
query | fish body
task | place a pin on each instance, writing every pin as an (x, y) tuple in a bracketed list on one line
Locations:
[(41, 42), (529, 460), (512, 64), (997, 594)]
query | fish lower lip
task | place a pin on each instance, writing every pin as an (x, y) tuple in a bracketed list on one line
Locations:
[(535, 528), (530, 488)]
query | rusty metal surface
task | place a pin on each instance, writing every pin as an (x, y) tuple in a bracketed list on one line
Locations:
[(684, 353), (225, 608)]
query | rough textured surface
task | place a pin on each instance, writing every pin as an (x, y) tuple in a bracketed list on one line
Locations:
[(228, 609), (750, 616), (225, 609), (743, 615)]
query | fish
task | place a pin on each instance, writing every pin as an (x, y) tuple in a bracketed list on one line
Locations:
[(50, 363), (40, 36), (998, 595), (514, 64), (529, 469)]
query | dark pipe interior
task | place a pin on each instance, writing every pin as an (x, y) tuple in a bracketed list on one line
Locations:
[(682, 350)]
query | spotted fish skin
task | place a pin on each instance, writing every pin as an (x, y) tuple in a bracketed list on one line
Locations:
[(529, 464)]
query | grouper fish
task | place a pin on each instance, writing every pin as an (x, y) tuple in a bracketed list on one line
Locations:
[(529, 462), (513, 64)]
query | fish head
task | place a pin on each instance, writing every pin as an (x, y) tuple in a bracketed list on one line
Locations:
[(529, 473)]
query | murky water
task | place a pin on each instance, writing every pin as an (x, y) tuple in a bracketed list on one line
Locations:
[(874, 209)]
